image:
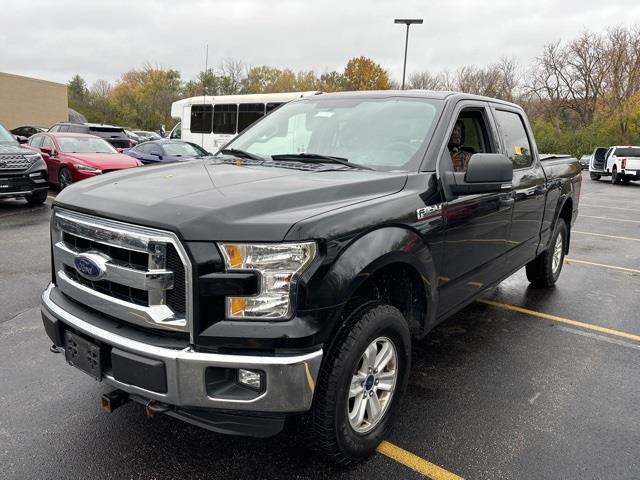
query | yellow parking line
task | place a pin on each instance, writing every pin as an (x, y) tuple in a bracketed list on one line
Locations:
[(603, 265), (554, 318), (415, 462), (610, 218), (607, 236)]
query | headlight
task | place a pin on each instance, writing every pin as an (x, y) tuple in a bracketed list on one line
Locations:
[(278, 265), (87, 168), (33, 158)]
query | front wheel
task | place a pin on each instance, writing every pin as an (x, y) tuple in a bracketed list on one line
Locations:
[(594, 176), (544, 270), (360, 384), (37, 198), (64, 178)]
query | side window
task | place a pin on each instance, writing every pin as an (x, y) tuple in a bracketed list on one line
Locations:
[(470, 135), (516, 141), (77, 129), (36, 141), (249, 113), (63, 128), (155, 149), (142, 148), (55, 128), (272, 106), (225, 118), (47, 143), (201, 118)]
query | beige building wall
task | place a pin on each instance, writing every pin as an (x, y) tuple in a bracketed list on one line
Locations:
[(29, 101)]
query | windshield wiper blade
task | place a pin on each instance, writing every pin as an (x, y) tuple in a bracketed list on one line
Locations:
[(320, 159), (242, 153)]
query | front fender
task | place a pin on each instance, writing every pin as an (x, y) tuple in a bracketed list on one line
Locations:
[(369, 253)]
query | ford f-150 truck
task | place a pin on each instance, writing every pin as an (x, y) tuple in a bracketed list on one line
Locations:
[(621, 163), (286, 275), (23, 173)]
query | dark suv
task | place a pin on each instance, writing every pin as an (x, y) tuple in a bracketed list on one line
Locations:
[(112, 134)]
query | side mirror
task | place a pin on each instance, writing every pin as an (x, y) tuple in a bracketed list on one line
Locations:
[(21, 139), (48, 151), (486, 173)]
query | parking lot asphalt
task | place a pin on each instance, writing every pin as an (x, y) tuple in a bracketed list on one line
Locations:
[(536, 384)]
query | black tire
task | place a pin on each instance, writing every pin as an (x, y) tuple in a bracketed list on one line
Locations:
[(333, 436), (64, 178), (615, 178), (37, 198), (540, 271), (625, 180), (594, 176)]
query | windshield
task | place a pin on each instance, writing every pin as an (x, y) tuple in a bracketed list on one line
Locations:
[(6, 137), (84, 145), (380, 133), (627, 152), (184, 150)]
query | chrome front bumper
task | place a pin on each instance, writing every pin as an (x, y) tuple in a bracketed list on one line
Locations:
[(290, 380)]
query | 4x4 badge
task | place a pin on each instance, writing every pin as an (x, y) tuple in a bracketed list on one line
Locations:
[(424, 212)]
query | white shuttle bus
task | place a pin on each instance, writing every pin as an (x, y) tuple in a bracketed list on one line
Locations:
[(212, 121)]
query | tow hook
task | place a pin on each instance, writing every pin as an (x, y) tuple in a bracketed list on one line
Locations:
[(54, 349), (153, 408), (114, 399)]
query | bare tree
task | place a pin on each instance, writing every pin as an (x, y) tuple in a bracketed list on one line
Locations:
[(425, 80)]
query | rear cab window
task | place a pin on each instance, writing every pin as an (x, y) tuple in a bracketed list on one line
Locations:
[(515, 138)]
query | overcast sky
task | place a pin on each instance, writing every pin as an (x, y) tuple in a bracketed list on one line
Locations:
[(54, 40)]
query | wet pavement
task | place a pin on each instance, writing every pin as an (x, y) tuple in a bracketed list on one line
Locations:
[(493, 394)]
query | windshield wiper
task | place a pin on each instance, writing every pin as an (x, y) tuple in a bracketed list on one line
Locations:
[(242, 153), (319, 158)]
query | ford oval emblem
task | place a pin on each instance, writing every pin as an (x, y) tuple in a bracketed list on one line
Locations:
[(90, 265)]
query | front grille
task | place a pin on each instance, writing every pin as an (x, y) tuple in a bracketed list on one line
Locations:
[(15, 162), (138, 273), (122, 292)]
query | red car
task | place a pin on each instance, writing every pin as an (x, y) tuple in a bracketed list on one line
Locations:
[(72, 157)]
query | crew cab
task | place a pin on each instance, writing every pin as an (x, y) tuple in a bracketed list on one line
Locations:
[(23, 173), (287, 275), (621, 163)]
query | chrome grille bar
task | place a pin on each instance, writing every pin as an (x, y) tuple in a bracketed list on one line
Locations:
[(76, 234)]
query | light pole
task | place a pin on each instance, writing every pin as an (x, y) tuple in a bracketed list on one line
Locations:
[(407, 22)]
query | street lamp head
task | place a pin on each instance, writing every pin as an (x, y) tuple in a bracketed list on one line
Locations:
[(408, 21)]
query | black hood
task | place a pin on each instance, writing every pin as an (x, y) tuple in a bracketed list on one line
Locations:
[(204, 200)]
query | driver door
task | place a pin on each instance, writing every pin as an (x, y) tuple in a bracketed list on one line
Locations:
[(476, 225)]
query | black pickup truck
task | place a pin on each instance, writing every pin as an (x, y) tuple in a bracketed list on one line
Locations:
[(286, 275), (23, 173)]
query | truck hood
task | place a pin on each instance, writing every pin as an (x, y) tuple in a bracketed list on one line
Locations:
[(14, 149), (205, 200)]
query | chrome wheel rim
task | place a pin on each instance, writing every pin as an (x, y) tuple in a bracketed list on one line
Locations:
[(372, 385), (557, 254), (65, 179)]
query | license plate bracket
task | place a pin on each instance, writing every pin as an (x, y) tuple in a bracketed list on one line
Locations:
[(84, 355)]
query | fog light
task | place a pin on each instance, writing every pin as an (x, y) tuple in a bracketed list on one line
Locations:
[(250, 378)]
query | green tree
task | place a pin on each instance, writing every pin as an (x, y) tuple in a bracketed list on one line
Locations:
[(77, 89), (362, 73)]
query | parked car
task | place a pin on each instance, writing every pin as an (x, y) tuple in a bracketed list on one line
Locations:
[(23, 172), (156, 151), (146, 135), (112, 134), (621, 163), (584, 161), (289, 273), (24, 132), (72, 157), (135, 139)]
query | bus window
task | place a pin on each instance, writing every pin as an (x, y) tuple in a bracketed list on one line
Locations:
[(201, 116), (225, 118), (273, 106), (249, 113)]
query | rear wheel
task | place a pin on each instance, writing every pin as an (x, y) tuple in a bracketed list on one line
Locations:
[(64, 178), (36, 198), (594, 176), (544, 270), (360, 384), (615, 178)]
